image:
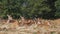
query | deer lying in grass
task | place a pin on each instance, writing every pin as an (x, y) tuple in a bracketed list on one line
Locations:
[(42, 23), (24, 21), (13, 23), (9, 18)]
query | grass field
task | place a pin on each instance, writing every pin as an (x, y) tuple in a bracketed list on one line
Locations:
[(39, 26)]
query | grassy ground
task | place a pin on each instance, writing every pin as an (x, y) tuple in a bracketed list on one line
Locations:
[(40, 27)]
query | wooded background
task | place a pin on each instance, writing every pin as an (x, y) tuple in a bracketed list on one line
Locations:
[(30, 8)]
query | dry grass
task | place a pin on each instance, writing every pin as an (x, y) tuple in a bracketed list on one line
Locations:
[(29, 26)]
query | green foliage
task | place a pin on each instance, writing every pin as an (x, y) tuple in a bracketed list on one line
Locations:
[(58, 8), (28, 8)]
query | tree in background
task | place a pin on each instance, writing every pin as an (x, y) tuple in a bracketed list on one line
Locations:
[(57, 4), (28, 8), (51, 4)]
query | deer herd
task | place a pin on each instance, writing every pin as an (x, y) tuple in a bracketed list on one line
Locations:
[(16, 23)]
